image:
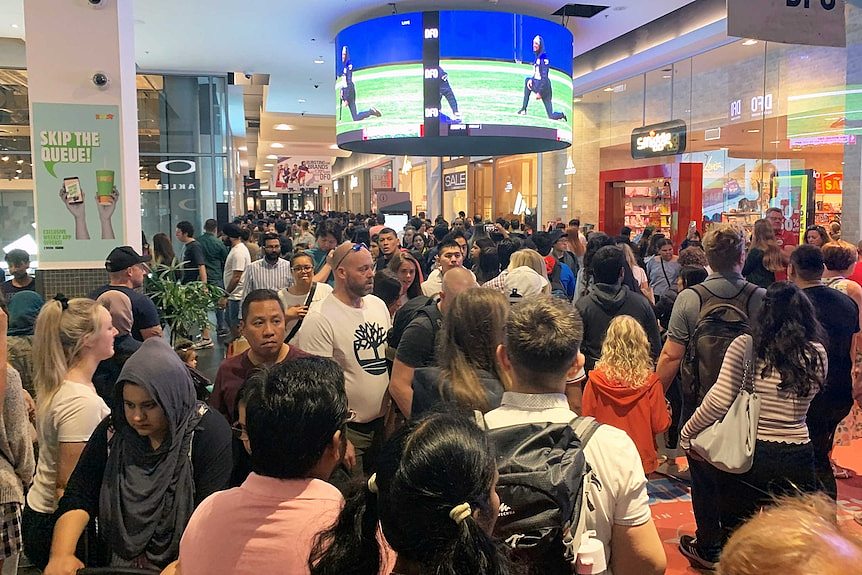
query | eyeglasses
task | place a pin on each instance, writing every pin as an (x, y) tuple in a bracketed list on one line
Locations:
[(240, 431), (302, 268), (354, 248)]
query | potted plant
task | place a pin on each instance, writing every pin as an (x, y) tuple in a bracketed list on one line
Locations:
[(184, 307)]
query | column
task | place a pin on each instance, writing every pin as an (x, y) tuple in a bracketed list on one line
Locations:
[(83, 116)]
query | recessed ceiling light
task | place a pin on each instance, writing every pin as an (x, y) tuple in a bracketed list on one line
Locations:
[(268, 165), (667, 76), (749, 42), (319, 61), (243, 148), (301, 100), (577, 99), (19, 161), (14, 25), (272, 157), (753, 131), (276, 145), (775, 142), (283, 127), (609, 89)]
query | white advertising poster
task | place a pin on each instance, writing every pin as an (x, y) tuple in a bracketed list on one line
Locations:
[(295, 173), (811, 22)]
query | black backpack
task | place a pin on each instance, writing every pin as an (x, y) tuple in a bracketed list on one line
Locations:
[(721, 320), (408, 312), (543, 478)]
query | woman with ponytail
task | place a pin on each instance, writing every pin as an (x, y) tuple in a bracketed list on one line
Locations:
[(71, 338), (436, 525)]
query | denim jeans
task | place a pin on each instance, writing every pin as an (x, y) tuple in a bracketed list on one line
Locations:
[(705, 498)]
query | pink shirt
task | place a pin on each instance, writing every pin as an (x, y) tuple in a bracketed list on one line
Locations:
[(264, 526)]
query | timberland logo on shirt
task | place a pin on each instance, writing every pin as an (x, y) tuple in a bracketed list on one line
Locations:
[(505, 510), (369, 342)]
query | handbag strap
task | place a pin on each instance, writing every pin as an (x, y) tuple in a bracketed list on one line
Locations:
[(667, 279), (748, 367), (298, 323)]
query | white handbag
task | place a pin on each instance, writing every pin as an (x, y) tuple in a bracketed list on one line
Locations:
[(728, 444)]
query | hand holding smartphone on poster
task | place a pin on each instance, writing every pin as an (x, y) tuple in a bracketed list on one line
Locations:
[(72, 194)]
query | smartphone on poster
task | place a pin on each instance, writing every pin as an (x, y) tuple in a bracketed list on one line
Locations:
[(74, 194)]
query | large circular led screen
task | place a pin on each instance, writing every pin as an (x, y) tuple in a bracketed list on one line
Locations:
[(454, 83)]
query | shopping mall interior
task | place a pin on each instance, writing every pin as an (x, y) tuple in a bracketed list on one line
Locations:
[(673, 123)]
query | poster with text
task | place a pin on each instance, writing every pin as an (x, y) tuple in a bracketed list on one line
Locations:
[(78, 181), (294, 173)]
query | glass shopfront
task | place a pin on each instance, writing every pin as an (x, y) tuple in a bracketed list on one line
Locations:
[(185, 164), (767, 125)]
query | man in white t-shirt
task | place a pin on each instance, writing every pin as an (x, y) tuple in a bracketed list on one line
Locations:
[(237, 260), (540, 351), (350, 326)]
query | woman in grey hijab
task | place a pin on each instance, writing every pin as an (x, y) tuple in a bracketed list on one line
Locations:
[(145, 468)]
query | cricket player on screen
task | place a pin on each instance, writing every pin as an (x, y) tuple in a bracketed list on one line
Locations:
[(348, 90), (446, 92), (540, 83)]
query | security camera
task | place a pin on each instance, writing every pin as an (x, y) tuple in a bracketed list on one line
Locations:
[(317, 85), (97, 3), (100, 79), (247, 76)]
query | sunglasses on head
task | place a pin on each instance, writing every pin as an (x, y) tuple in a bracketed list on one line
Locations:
[(354, 248)]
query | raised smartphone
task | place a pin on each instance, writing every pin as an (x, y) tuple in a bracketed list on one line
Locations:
[(74, 194)]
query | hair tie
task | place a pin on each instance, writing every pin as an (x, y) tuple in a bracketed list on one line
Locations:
[(64, 301), (372, 484), (460, 513)]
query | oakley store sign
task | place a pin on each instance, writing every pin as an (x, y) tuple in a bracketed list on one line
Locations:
[(665, 139), (176, 168)]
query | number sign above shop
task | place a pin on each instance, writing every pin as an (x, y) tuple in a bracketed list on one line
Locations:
[(666, 139), (811, 22)]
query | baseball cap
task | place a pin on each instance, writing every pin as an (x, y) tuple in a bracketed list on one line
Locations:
[(124, 257), (523, 282)]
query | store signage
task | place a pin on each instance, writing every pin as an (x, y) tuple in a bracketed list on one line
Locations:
[(455, 181), (176, 167), (811, 22), (758, 106), (666, 139)]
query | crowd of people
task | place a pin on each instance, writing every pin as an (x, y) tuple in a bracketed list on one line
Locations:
[(467, 397)]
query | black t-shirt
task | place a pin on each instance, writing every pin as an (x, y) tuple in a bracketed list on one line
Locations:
[(416, 347), (839, 317), (144, 312), (9, 290), (193, 256)]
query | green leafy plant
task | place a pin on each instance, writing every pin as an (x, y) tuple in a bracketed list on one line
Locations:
[(183, 307)]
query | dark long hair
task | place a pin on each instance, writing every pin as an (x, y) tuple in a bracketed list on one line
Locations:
[(784, 336), (415, 492), (163, 250)]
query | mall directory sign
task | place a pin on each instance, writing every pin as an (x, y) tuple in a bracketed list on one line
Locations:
[(665, 139), (454, 83)]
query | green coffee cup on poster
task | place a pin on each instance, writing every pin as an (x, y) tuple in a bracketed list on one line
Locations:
[(105, 186)]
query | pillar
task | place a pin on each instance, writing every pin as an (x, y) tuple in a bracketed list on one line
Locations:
[(84, 137)]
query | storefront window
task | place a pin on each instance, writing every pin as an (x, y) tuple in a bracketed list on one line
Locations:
[(767, 125), (515, 186)]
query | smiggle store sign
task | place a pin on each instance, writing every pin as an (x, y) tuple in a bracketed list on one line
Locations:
[(665, 139)]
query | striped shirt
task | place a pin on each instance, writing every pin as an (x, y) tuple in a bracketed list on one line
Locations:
[(261, 275), (782, 413)]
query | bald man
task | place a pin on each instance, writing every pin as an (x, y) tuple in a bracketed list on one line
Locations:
[(350, 326), (416, 348)]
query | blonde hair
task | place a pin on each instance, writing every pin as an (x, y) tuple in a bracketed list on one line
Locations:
[(58, 342), (630, 255), (797, 536), (475, 324), (626, 352), (531, 259)]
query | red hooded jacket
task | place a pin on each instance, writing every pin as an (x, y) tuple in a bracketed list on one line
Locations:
[(639, 411)]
